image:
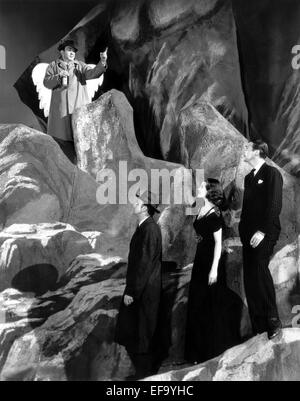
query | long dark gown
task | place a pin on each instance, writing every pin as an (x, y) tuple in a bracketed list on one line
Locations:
[(213, 313)]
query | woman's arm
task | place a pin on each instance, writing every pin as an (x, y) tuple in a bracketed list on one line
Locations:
[(213, 275)]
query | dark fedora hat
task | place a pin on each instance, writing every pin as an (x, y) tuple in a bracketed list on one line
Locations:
[(68, 42), (150, 199)]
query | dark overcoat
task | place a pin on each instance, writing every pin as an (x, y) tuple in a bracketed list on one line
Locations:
[(65, 100), (262, 204), (137, 322)]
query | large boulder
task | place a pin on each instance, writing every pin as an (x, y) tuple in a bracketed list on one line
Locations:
[(187, 51), (65, 334), (34, 257), (255, 360), (106, 146), (68, 333), (209, 142), (39, 185)]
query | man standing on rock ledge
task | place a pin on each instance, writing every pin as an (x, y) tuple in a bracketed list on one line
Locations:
[(259, 230), (67, 77), (138, 316)]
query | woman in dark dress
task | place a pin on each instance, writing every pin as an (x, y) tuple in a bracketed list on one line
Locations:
[(210, 328)]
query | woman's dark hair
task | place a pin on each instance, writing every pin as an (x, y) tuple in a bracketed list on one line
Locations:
[(215, 193)]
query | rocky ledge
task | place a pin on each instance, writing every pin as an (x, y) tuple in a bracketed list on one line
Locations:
[(256, 360)]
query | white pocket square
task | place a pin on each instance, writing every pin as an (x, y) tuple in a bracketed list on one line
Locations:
[(260, 182)]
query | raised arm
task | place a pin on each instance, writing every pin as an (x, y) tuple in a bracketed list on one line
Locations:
[(93, 73)]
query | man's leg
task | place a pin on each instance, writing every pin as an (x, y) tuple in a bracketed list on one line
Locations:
[(266, 289), (251, 278)]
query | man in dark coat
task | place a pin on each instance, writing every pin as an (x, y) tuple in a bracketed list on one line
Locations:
[(138, 316), (67, 77), (259, 231)]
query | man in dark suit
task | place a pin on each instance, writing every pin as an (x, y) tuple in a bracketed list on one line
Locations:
[(259, 231), (139, 311)]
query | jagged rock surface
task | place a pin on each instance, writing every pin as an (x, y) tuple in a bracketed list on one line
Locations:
[(67, 333), (155, 56), (268, 31), (256, 360)]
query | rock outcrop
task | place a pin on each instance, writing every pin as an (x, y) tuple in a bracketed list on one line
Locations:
[(34, 257), (168, 54), (59, 323), (38, 184), (68, 334), (179, 54), (107, 149), (256, 360), (65, 334), (157, 59)]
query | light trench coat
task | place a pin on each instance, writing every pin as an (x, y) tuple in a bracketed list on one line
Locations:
[(65, 100)]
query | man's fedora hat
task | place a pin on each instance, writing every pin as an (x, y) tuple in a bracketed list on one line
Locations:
[(149, 198), (68, 42)]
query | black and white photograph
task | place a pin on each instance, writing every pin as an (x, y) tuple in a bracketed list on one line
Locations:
[(150, 193)]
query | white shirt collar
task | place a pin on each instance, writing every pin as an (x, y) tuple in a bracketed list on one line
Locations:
[(141, 222), (258, 167)]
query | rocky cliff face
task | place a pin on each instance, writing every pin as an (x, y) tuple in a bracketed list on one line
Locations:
[(156, 57), (58, 323), (188, 73), (267, 33), (165, 55), (266, 361)]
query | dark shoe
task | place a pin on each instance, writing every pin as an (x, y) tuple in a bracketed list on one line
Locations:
[(274, 329)]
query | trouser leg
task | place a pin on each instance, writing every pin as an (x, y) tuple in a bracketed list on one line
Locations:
[(267, 292), (259, 286), (250, 284)]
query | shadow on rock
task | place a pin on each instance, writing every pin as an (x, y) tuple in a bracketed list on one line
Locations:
[(37, 279)]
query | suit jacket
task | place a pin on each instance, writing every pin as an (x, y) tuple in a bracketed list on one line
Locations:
[(136, 323), (262, 204)]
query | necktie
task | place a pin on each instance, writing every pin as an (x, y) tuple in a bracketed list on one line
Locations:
[(251, 175)]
